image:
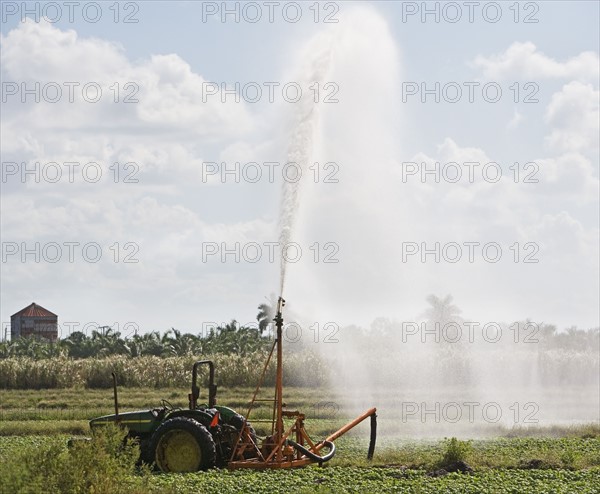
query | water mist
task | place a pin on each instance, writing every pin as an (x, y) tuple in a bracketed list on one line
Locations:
[(418, 386)]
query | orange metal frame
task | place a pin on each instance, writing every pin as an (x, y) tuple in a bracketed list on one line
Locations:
[(278, 453)]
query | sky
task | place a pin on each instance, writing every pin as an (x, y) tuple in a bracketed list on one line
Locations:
[(120, 122)]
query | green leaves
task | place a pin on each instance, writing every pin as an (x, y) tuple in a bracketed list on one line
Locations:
[(106, 464), (43, 464), (455, 450)]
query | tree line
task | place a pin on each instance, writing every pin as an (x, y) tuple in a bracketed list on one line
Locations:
[(234, 339), (229, 339)]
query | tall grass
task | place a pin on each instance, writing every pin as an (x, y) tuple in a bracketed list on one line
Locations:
[(301, 369)]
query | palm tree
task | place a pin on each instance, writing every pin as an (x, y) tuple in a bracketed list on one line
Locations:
[(108, 341), (266, 313), (29, 347), (150, 344), (440, 314), (442, 310), (7, 349), (78, 345)]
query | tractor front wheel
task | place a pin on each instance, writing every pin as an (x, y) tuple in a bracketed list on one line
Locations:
[(182, 444)]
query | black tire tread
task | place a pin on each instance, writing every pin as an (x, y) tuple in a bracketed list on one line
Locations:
[(201, 433)]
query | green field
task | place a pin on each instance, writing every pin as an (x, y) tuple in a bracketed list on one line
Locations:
[(35, 425)]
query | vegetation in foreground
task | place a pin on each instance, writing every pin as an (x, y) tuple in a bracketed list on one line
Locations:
[(35, 426), (34, 464)]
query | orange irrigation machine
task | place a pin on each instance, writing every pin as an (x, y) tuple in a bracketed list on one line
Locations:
[(289, 445)]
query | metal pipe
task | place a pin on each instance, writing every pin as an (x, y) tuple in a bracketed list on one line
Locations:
[(114, 376), (260, 381), (279, 379), (346, 428), (373, 437)]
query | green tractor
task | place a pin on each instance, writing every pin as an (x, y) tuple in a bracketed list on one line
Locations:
[(184, 440)]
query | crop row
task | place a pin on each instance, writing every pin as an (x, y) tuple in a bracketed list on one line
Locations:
[(35, 464), (302, 369)]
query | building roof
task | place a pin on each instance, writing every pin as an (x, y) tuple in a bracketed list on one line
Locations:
[(34, 310)]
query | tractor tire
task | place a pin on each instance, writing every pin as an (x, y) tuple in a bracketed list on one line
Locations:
[(146, 455), (182, 444), (237, 421)]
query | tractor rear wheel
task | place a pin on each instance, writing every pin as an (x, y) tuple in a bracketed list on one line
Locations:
[(182, 444)]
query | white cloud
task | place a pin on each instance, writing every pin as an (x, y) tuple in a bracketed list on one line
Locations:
[(169, 94), (573, 112), (451, 151), (574, 116), (561, 233), (524, 61), (369, 212), (38, 51), (545, 184), (515, 120), (167, 134)]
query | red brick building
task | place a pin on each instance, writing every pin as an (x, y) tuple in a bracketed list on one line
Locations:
[(35, 321)]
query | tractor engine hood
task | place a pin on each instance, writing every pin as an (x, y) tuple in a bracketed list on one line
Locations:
[(140, 421)]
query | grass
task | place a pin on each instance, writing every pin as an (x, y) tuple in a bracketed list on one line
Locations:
[(500, 453), (35, 426), (44, 427), (55, 403), (34, 462)]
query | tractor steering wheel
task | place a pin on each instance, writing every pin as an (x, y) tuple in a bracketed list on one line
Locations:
[(166, 404)]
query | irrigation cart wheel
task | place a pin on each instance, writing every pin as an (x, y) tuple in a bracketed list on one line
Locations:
[(183, 444)]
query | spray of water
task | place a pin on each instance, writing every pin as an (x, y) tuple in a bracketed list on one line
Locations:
[(418, 387), (301, 145)]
